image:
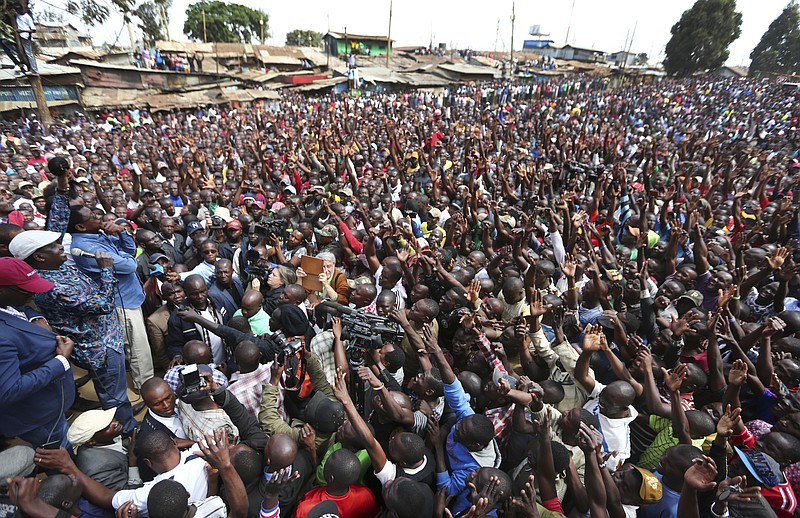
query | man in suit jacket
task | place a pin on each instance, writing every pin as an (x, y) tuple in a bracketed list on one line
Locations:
[(226, 291), (174, 245), (36, 383), (158, 328)]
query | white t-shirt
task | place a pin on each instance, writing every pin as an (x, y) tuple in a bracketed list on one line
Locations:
[(173, 423), (389, 471), (398, 289), (216, 344), (616, 432), (190, 472)]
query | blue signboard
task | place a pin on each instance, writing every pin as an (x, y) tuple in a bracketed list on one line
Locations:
[(51, 93)]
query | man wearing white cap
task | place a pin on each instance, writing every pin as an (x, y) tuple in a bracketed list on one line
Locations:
[(84, 310), (101, 455)]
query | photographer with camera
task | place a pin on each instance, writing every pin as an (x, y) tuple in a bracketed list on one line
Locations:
[(277, 280)]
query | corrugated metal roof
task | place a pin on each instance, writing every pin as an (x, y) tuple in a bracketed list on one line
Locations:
[(188, 46), (470, 69), (341, 36), (320, 85), (45, 69)]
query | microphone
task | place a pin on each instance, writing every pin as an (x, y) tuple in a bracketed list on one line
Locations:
[(346, 310), (77, 252)]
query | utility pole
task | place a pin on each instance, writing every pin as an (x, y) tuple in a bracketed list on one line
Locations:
[(630, 43), (569, 24), (34, 80), (205, 36), (496, 35), (162, 13), (130, 32), (389, 36), (513, 19)]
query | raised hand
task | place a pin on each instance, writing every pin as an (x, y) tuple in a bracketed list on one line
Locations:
[(537, 307), (570, 266), (366, 374), (728, 421), (674, 379), (700, 476), (474, 291), (214, 449), (308, 437), (738, 373), (280, 480), (777, 260), (774, 326), (525, 504), (340, 387), (592, 338)]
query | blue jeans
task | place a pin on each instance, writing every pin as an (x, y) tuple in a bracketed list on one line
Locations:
[(111, 386), (48, 432), (27, 47)]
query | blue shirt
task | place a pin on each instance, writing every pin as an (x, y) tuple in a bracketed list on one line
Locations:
[(462, 461), (129, 294), (667, 507)]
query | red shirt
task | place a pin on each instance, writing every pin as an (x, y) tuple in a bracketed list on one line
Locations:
[(358, 502)]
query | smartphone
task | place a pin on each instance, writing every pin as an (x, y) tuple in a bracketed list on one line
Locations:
[(52, 445)]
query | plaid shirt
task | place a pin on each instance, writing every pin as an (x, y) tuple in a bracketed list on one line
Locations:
[(322, 346), (248, 387), (501, 417), (199, 422)]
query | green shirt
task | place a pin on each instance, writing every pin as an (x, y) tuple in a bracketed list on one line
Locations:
[(363, 458), (259, 323)]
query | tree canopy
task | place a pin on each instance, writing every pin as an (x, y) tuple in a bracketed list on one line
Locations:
[(225, 22), (779, 48), (701, 37), (301, 38)]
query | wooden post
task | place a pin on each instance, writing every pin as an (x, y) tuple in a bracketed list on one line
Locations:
[(389, 36), (34, 80)]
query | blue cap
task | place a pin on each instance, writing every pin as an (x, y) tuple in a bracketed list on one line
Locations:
[(193, 227)]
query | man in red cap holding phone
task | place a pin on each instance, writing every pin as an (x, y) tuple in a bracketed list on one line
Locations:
[(36, 384)]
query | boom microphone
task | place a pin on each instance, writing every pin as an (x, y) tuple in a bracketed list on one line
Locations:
[(346, 310)]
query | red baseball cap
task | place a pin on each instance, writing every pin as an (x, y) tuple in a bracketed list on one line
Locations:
[(17, 273), (235, 224)]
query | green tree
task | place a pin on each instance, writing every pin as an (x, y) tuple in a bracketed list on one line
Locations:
[(779, 48), (90, 12), (225, 22), (641, 58), (301, 38), (150, 22), (701, 37)]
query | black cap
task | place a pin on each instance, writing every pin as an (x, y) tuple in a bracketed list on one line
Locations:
[(58, 166), (324, 414)]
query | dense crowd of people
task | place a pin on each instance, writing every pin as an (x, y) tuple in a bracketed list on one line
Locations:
[(498, 299)]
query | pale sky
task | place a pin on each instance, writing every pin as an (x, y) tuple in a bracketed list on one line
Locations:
[(599, 24)]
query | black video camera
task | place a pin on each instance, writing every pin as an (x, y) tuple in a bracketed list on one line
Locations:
[(271, 226), (191, 380), (365, 332), (284, 347), (257, 267)]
